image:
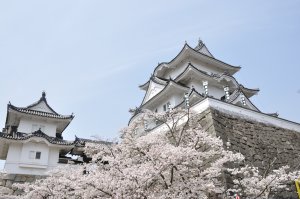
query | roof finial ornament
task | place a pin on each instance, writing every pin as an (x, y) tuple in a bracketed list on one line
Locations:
[(43, 94), (200, 41)]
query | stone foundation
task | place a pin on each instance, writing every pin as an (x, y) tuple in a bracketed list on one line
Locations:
[(8, 180), (260, 143)]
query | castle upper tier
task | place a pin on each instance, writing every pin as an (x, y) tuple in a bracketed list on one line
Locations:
[(194, 73), (195, 78)]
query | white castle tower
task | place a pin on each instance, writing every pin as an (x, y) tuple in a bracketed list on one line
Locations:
[(197, 79), (32, 142), (194, 74)]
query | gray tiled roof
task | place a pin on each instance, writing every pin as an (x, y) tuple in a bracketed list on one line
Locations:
[(39, 133), (39, 113)]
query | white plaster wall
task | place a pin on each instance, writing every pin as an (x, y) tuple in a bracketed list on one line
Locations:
[(153, 89), (215, 92), (178, 98), (25, 126), (174, 101), (212, 90), (14, 152), (32, 146), (53, 157), (18, 161)]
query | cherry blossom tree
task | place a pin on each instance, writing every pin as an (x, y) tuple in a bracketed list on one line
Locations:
[(174, 158), (251, 183)]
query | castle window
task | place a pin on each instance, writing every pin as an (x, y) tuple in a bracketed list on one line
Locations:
[(35, 155), (166, 106), (38, 155)]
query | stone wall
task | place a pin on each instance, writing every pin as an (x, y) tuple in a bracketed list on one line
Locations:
[(8, 180), (260, 143)]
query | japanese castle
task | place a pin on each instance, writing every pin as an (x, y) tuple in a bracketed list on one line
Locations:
[(32, 140), (195, 78)]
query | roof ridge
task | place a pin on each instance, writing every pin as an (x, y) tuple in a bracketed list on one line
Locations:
[(42, 99), (40, 113), (186, 46)]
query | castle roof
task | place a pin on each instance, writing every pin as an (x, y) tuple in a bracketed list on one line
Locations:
[(248, 91), (192, 71), (38, 113), (188, 52), (40, 134), (201, 47), (39, 109), (37, 136), (155, 79), (171, 87)]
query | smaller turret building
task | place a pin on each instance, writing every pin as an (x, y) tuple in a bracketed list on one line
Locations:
[(31, 141)]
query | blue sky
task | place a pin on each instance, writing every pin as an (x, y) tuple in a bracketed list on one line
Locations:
[(90, 56)]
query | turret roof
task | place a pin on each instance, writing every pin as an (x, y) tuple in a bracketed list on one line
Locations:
[(39, 108), (39, 113), (39, 133)]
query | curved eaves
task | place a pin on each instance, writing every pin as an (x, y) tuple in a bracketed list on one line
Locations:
[(50, 140), (190, 66), (39, 113), (248, 101), (187, 47), (170, 83), (248, 91)]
